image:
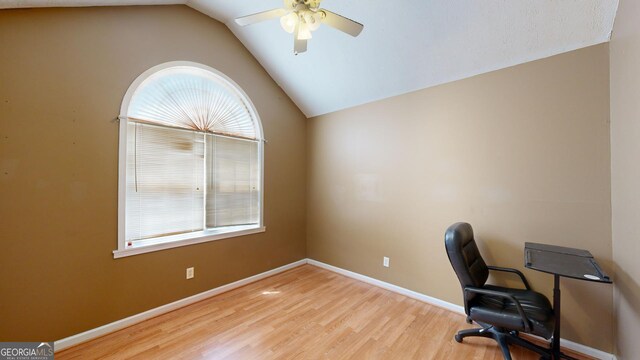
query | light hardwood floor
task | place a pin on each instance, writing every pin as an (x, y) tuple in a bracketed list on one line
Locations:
[(303, 313)]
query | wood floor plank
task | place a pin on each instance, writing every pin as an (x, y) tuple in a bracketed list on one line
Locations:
[(303, 313)]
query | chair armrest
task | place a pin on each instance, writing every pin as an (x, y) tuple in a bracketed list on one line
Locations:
[(515, 271), (523, 316)]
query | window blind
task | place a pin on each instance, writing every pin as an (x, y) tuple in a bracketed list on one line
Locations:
[(181, 181), (165, 181), (192, 98), (233, 187)]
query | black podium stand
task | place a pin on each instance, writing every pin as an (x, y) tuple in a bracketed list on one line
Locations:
[(562, 261)]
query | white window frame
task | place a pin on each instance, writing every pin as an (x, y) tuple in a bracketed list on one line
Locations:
[(173, 241)]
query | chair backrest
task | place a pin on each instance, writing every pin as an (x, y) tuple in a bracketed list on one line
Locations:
[(464, 256)]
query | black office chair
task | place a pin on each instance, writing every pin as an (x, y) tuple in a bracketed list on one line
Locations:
[(502, 312)]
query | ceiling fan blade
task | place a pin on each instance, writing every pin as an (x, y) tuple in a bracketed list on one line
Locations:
[(261, 16), (299, 46), (342, 23)]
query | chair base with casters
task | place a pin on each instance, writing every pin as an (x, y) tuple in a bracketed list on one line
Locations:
[(503, 312), (504, 338)]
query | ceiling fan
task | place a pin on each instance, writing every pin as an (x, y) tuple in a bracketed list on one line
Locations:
[(300, 18)]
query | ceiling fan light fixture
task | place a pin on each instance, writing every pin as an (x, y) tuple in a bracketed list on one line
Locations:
[(289, 22), (304, 32), (313, 19)]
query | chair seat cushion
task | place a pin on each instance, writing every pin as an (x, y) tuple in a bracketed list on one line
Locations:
[(501, 312)]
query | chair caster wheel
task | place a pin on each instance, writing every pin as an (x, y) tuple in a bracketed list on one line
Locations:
[(458, 338)]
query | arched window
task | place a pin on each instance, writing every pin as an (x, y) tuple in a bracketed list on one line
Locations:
[(190, 160)]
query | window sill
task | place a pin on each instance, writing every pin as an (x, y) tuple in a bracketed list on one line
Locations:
[(174, 241)]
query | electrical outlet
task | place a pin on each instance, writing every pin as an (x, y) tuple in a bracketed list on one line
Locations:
[(190, 273), (385, 261)]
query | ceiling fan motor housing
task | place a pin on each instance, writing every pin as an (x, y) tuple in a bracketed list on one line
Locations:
[(297, 4)]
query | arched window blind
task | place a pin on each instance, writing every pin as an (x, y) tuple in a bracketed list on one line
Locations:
[(192, 98), (193, 158)]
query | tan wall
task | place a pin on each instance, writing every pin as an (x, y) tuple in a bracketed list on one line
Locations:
[(521, 153), (63, 74), (625, 176)]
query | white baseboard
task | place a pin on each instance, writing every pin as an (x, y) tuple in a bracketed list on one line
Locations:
[(583, 349), (587, 350), (385, 285), (134, 319)]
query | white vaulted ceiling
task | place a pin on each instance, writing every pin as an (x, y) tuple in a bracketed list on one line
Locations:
[(405, 45)]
